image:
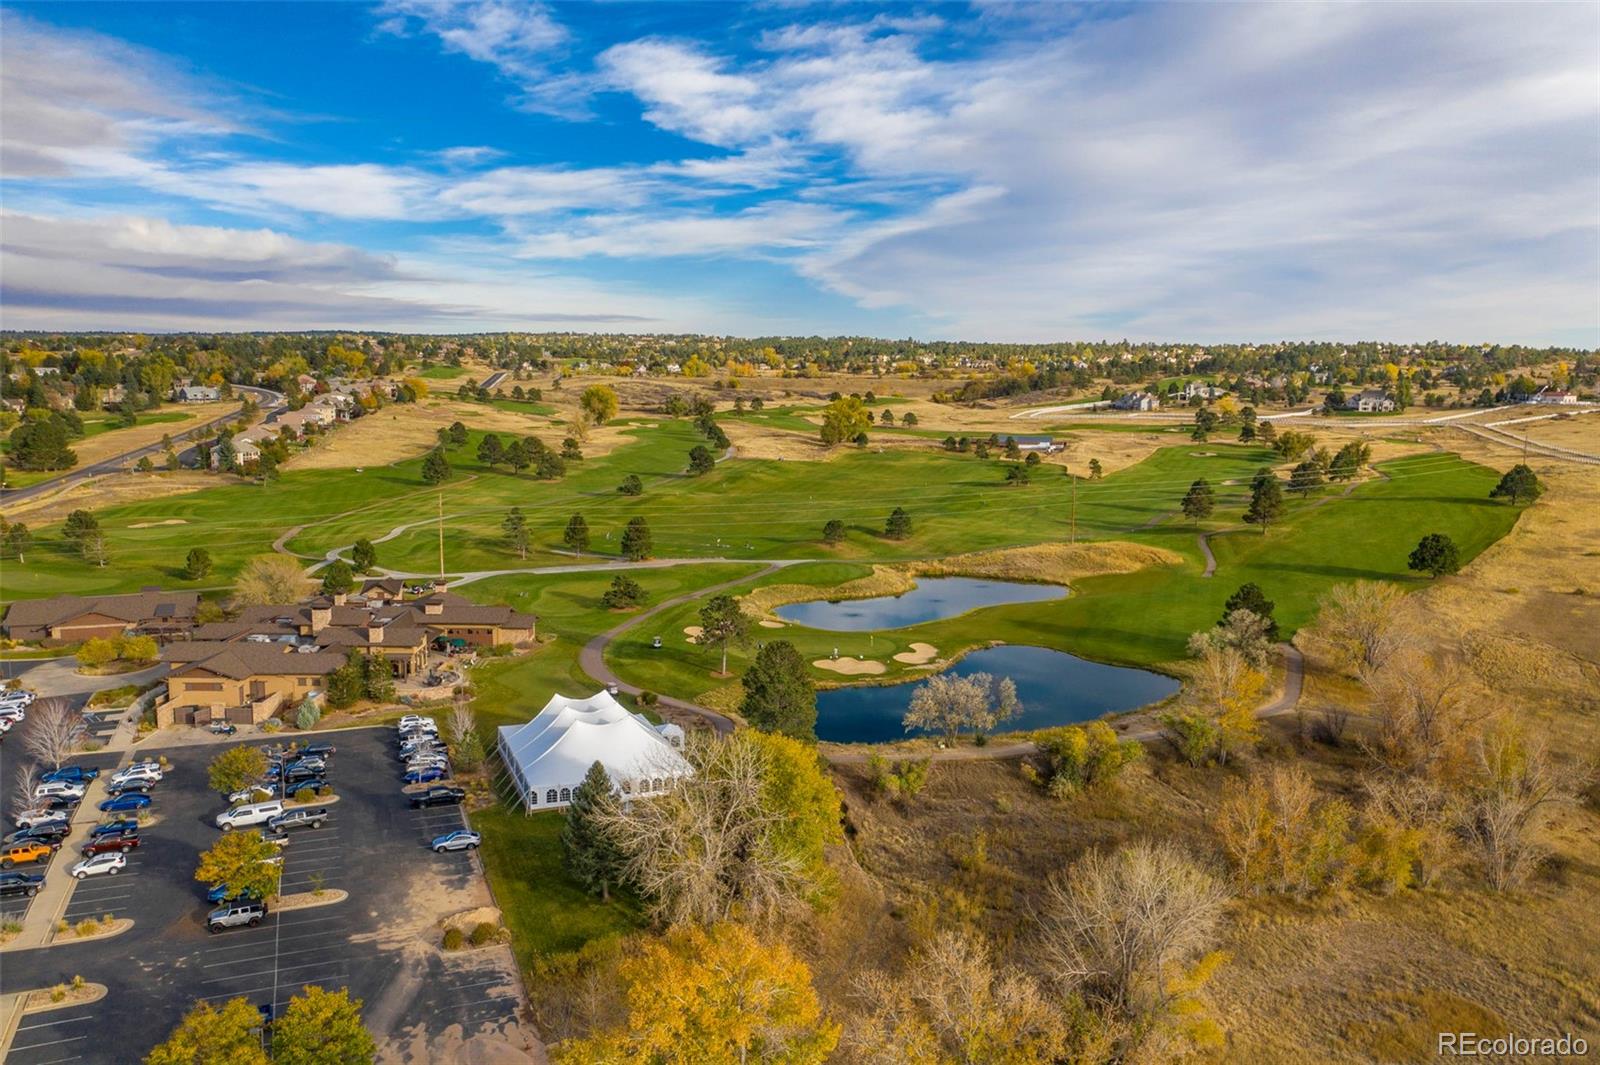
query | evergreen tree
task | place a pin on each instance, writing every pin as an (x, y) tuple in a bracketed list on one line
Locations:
[(833, 532), (577, 534), (516, 529), (197, 564), (1095, 470), (1306, 476), (570, 450), (15, 540), (1266, 499), (1519, 484), (458, 434), (700, 460), (363, 555), (624, 592), (435, 468), (337, 578), (587, 851), (778, 693), (548, 466), (1435, 554), (898, 527), (1199, 501), (41, 445), (631, 485), (517, 456), (636, 541), (491, 451), (1249, 596)]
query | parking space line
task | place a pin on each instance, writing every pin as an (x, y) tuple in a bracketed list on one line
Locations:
[(53, 1042), (59, 1061), (258, 957), (285, 990), (58, 1020)]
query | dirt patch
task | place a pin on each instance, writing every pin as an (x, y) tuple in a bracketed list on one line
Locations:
[(63, 996), (693, 633), (1053, 563), (919, 654), (154, 524), (851, 667), (101, 930), (306, 900)]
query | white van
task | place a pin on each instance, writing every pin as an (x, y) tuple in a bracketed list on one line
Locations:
[(251, 813)]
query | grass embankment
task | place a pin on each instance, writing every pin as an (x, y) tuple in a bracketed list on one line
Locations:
[(442, 373)]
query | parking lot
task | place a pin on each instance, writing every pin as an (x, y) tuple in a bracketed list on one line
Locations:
[(380, 942)]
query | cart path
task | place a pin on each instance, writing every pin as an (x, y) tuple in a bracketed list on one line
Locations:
[(592, 658)]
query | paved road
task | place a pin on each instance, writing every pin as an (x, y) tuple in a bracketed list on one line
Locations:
[(494, 379), (592, 659), (271, 403)]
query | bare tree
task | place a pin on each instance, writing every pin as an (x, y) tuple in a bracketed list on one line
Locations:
[(1244, 631), (271, 579), (1515, 783), (1367, 623), (948, 704), (461, 730), (1425, 708), (55, 730), (1118, 924), (23, 781), (711, 845)]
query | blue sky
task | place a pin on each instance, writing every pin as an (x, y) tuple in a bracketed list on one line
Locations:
[(997, 172)]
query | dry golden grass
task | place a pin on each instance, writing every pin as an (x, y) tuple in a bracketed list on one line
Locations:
[(1052, 563), (884, 580), (116, 441), (107, 491)]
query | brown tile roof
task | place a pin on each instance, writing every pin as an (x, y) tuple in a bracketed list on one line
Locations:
[(241, 661), (139, 606)]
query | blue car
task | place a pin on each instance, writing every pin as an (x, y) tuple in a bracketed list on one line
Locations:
[(425, 776), (125, 803), (219, 893), (121, 827), (71, 774)]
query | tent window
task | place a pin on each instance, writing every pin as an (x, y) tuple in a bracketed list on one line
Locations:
[(533, 798), (566, 794), (658, 784), (627, 787), (550, 796)]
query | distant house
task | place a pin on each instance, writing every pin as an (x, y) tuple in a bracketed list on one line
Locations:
[(1136, 401), (1554, 396), (1043, 444), (66, 619), (1203, 390), (197, 394), (1369, 400)]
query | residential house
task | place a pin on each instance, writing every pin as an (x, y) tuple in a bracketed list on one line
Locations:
[(1043, 444), (64, 619), (1136, 401), (1554, 397), (197, 394), (1369, 400), (245, 683)]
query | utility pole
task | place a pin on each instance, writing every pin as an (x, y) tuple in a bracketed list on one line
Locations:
[(441, 536)]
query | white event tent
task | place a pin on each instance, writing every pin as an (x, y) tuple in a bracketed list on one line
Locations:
[(548, 756)]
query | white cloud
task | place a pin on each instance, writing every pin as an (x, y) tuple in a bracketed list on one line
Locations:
[(783, 227), (515, 37), (686, 91)]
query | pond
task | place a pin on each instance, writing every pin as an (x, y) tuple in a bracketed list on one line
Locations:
[(1054, 688), (933, 598)]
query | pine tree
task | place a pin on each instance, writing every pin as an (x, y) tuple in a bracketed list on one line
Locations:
[(435, 468), (1199, 501), (1519, 483), (898, 527), (636, 540), (1266, 499), (516, 529), (577, 534), (778, 693), (590, 856)]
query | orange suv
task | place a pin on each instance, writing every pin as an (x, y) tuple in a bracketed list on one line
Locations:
[(24, 853)]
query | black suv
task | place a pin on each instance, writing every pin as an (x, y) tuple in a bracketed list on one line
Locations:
[(52, 832), (437, 795), (12, 884)]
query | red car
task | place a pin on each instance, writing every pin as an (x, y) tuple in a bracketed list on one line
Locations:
[(110, 845)]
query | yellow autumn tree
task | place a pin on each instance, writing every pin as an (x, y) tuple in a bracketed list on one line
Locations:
[(1227, 688), (711, 996)]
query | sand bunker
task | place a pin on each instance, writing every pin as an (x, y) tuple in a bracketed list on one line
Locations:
[(850, 667), (693, 632), (153, 524), (919, 654), (768, 623)]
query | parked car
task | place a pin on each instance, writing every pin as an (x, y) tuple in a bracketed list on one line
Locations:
[(301, 818), (462, 839), (254, 793), (27, 853), (299, 784), (245, 913), (22, 695), (120, 827), (306, 761), (128, 787), (13, 713), (319, 750), (96, 865), (425, 775), (222, 728), (37, 818), (121, 804), (142, 771), (77, 773), (253, 813), (412, 721), (24, 884), (5, 724), (438, 795), (56, 804), (425, 744), (119, 844), (64, 788), (52, 833)]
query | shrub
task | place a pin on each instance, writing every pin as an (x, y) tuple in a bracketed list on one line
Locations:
[(901, 780), (452, 939), (325, 790), (648, 698), (58, 992), (10, 927), (484, 932), (304, 795), (88, 926), (77, 983)]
